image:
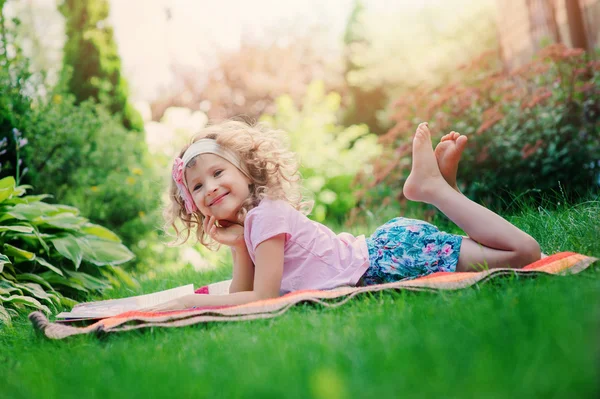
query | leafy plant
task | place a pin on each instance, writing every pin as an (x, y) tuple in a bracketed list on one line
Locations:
[(49, 251), (330, 154), (533, 131), (77, 150)]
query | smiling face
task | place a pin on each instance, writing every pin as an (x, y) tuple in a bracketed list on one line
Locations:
[(217, 186)]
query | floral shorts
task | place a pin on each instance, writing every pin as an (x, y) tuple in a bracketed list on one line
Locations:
[(404, 249)]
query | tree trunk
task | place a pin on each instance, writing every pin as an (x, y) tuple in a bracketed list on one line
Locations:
[(551, 17), (576, 24)]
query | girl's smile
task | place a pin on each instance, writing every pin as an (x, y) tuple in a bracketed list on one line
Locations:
[(218, 200), (217, 186)]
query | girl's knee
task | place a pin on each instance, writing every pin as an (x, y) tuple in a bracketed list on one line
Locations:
[(529, 251)]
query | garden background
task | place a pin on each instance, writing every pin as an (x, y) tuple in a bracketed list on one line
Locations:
[(97, 96)]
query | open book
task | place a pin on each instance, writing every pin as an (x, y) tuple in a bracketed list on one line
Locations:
[(113, 307)]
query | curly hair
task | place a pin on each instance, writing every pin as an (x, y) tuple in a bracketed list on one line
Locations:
[(273, 169)]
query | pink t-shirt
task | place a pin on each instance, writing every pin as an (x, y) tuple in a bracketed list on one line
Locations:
[(314, 256)]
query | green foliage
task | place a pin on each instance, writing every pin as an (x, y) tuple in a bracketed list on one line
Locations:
[(13, 71), (91, 54), (87, 159), (390, 49), (49, 251), (330, 154), (532, 132), (79, 152)]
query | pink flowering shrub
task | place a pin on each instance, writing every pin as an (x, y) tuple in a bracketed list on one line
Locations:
[(531, 131)]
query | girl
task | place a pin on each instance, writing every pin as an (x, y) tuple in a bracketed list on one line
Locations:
[(239, 186)]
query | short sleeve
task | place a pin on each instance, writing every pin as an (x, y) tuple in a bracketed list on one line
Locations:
[(267, 220)]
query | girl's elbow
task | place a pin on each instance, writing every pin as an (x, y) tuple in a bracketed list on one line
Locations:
[(262, 295)]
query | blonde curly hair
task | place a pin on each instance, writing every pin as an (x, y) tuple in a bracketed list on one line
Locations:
[(273, 170)]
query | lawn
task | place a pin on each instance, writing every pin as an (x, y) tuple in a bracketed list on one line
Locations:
[(524, 337)]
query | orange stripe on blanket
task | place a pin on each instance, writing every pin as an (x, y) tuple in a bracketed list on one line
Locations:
[(535, 265), (434, 275), (446, 277), (549, 259), (562, 264)]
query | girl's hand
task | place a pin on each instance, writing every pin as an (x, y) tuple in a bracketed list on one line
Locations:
[(230, 234), (184, 302)]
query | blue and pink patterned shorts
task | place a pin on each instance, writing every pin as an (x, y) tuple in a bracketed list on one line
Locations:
[(404, 249)]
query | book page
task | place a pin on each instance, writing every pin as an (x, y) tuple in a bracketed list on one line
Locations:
[(113, 307)]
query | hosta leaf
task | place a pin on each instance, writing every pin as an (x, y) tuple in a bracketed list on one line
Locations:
[(35, 210), (7, 182), (26, 211), (88, 281), (99, 231), (7, 276), (62, 221), (4, 316), (36, 278), (19, 229), (70, 248), (103, 252), (20, 190), (18, 254), (3, 261), (36, 291), (34, 238), (47, 264), (64, 209), (8, 288), (55, 280), (7, 188), (28, 199), (25, 300)]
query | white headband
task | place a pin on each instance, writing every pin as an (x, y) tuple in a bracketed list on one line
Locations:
[(203, 146), (210, 146)]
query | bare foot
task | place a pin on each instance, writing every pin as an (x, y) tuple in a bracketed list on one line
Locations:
[(448, 153), (425, 178)]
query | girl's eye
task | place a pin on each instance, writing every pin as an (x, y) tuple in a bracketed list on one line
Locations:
[(197, 187), (218, 173)]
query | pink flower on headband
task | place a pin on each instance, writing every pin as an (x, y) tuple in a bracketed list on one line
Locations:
[(178, 169)]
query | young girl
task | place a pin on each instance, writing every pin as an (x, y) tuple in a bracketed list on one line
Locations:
[(239, 186)]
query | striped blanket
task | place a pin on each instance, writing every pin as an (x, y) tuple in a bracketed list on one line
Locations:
[(557, 264)]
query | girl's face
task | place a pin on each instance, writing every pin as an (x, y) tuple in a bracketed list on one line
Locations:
[(217, 187)]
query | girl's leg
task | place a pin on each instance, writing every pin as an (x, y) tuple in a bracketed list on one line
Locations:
[(492, 240)]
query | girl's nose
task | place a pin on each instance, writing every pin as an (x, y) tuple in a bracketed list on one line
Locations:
[(211, 187)]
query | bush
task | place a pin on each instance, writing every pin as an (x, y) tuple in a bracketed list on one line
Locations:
[(533, 131), (330, 154), (90, 52), (48, 252), (79, 152)]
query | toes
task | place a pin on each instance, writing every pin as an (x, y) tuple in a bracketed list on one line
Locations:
[(424, 127), (451, 136), (461, 142)]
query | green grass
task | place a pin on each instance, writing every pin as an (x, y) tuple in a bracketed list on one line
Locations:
[(523, 337)]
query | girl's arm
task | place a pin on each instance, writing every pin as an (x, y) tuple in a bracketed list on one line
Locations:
[(267, 281), (243, 270)]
